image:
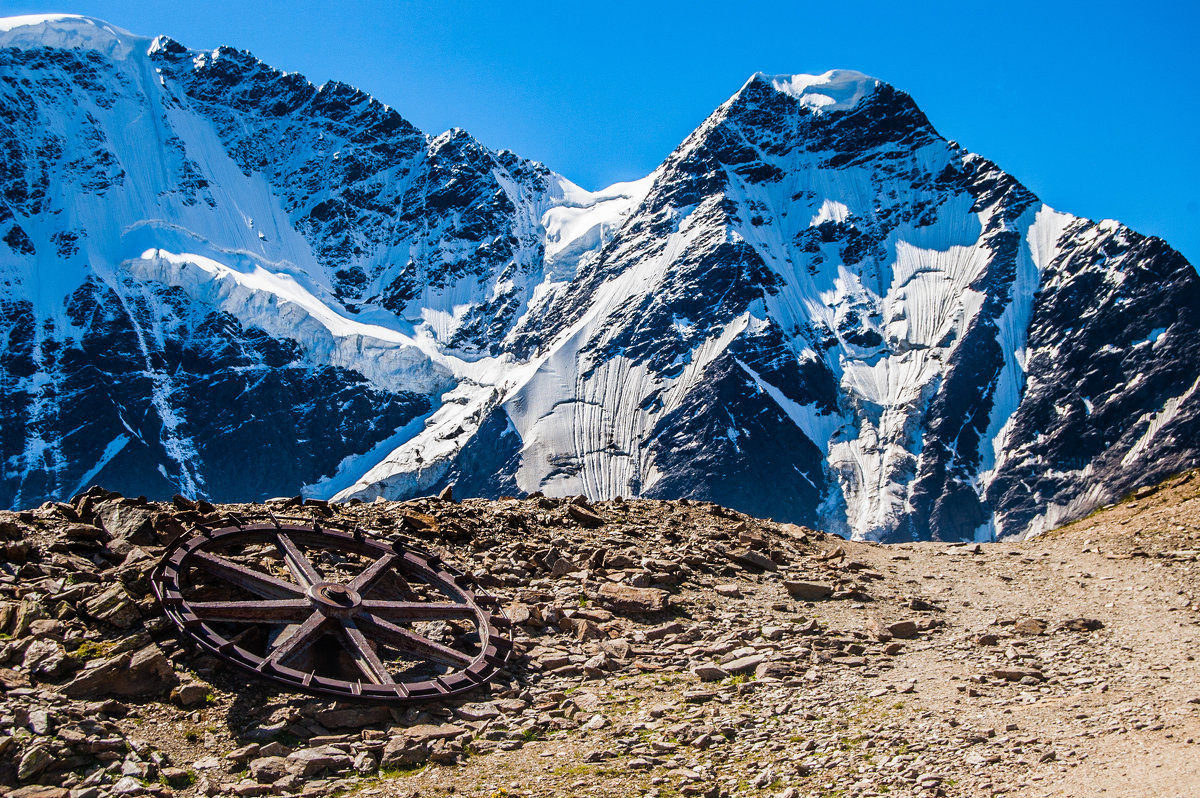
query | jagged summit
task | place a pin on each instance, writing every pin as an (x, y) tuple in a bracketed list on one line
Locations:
[(221, 280), (835, 90)]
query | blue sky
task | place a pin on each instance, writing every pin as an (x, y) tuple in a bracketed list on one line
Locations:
[(1094, 106)]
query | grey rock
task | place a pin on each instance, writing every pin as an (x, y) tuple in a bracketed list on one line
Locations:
[(144, 674), (34, 762), (114, 606), (710, 673), (308, 762), (743, 664), (808, 591), (123, 521), (268, 769), (633, 600), (753, 559)]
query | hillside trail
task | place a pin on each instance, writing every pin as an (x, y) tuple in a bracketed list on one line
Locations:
[(1127, 713)]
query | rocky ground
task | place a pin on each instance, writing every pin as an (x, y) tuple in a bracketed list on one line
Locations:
[(660, 649)]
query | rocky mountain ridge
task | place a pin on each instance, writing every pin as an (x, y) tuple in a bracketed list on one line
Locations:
[(816, 309)]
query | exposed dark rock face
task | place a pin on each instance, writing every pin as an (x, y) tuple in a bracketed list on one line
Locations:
[(221, 279)]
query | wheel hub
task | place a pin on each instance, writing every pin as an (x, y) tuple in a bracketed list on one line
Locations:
[(333, 598)]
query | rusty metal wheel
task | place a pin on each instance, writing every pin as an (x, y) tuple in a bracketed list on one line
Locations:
[(325, 609)]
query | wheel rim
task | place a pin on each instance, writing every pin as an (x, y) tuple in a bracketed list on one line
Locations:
[(329, 610)]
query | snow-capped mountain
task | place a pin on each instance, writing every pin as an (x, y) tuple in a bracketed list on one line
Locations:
[(222, 280)]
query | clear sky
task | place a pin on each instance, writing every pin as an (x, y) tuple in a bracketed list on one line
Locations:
[(1094, 106)]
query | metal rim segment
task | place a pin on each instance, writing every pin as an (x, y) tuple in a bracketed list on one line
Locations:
[(312, 606)]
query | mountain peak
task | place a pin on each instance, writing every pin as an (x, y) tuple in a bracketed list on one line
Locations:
[(835, 90), (68, 31)]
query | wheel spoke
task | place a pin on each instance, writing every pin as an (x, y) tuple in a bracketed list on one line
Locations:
[(298, 641), (272, 610), (246, 578), (373, 573), (364, 656), (412, 643), (417, 610), (301, 568)]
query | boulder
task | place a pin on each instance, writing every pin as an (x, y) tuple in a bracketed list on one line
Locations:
[(633, 600), (1014, 674), (1030, 627), (584, 517), (143, 674), (903, 630), (125, 521), (114, 606), (268, 769), (413, 745), (808, 591), (753, 559), (744, 664), (308, 762), (1082, 625), (710, 673)]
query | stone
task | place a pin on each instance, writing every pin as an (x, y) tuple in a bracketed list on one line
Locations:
[(729, 591), (753, 559), (773, 669), (269, 769), (633, 600), (903, 630), (477, 711), (353, 717), (807, 591), (583, 516), (663, 630), (308, 762), (413, 745), (46, 658), (145, 674), (123, 521), (1014, 674), (710, 673), (85, 532), (1082, 625), (743, 664), (39, 722), (617, 647), (878, 631), (1030, 627), (33, 762), (244, 754), (596, 722), (114, 606), (128, 785), (402, 751), (190, 693), (447, 494), (274, 749), (28, 611), (45, 627), (39, 791), (562, 566)]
